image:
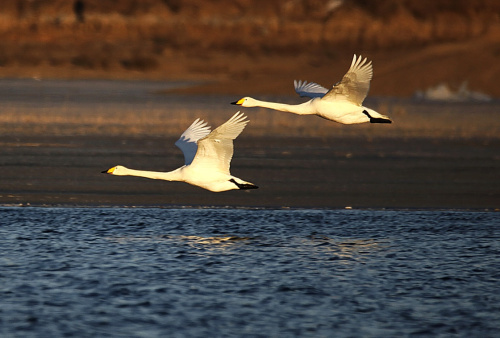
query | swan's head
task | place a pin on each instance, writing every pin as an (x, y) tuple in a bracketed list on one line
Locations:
[(116, 170), (245, 102)]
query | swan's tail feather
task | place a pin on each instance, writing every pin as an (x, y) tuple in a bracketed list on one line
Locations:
[(243, 185)]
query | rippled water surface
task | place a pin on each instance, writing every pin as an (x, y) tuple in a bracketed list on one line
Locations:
[(99, 272)]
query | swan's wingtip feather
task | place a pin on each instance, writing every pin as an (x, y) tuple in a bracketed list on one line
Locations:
[(238, 118), (199, 123), (354, 59)]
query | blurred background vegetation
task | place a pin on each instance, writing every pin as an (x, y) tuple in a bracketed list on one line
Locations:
[(243, 40)]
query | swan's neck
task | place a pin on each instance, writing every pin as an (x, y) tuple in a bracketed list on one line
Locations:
[(174, 175), (300, 109)]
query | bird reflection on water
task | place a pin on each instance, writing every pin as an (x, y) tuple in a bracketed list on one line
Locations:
[(343, 250), (218, 241)]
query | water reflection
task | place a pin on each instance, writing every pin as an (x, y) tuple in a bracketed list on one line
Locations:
[(345, 250), (218, 241)]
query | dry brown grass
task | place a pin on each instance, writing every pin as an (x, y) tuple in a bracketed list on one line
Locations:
[(136, 34), (254, 45)]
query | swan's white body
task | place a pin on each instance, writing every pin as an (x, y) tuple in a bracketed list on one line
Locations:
[(342, 103), (207, 157)]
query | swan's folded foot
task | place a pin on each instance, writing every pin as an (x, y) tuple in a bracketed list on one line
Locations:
[(243, 185), (376, 119)]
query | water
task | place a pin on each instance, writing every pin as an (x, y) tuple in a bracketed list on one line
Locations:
[(126, 272)]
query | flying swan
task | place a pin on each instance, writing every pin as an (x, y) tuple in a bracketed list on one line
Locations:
[(342, 103), (207, 156)]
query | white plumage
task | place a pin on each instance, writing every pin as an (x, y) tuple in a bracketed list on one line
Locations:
[(342, 103), (207, 157)]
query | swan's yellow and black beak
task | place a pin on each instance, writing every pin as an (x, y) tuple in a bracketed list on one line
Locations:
[(109, 171), (239, 102)]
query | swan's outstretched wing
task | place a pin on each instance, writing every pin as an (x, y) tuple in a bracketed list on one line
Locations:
[(215, 151), (187, 142), (355, 83), (309, 89)]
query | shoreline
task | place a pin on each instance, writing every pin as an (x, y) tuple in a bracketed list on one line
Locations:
[(306, 173), (237, 207)]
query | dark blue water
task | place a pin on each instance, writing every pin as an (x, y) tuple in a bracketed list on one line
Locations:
[(115, 272)]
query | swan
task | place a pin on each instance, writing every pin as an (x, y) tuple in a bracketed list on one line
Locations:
[(207, 157), (342, 103)]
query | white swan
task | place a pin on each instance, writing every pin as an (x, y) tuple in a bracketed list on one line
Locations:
[(342, 103), (207, 157)]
